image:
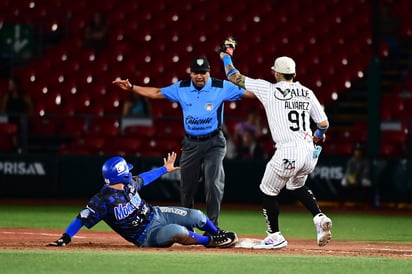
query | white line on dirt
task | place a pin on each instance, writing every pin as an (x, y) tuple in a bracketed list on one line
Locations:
[(39, 233)]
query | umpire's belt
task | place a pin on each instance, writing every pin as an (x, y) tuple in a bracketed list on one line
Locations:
[(201, 138)]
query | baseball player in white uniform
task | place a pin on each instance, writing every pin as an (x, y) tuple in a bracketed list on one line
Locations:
[(289, 106)]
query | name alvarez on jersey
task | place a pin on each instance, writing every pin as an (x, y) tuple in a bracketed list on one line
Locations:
[(288, 94), (297, 105)]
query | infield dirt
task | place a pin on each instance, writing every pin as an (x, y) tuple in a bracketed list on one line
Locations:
[(38, 239)]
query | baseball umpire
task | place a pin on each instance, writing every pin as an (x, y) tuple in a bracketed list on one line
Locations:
[(289, 106), (119, 205), (204, 147)]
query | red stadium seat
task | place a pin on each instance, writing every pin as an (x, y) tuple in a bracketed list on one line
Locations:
[(336, 148), (66, 109), (140, 132), (83, 102), (93, 143), (329, 23), (165, 109), (77, 25), (73, 127), (6, 143), (350, 136), (59, 55), (8, 129), (164, 146), (46, 126), (128, 145), (393, 149), (104, 126), (151, 152), (166, 128), (394, 136), (8, 136)]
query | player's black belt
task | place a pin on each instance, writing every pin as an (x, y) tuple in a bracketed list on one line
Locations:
[(201, 138)]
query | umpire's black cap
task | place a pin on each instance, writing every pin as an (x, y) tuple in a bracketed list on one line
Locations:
[(200, 64)]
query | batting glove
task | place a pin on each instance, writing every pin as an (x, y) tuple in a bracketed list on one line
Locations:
[(228, 46), (64, 240)]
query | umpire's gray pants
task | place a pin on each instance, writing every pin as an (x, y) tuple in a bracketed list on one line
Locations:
[(206, 156)]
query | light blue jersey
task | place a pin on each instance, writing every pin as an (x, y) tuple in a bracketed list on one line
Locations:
[(202, 109)]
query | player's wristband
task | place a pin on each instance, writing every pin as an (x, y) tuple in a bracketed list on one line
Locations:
[(322, 129), (131, 87), (231, 72)]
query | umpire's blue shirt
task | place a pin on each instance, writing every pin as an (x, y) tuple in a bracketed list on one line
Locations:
[(202, 109)]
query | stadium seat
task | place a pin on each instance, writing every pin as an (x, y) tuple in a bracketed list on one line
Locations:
[(393, 149), (8, 128), (169, 128), (83, 102), (98, 89), (66, 109), (43, 126), (402, 109), (58, 55), (94, 143), (128, 145), (350, 136), (165, 146), (73, 126), (165, 108), (140, 132), (95, 109), (112, 103), (6, 143), (336, 148), (331, 24), (104, 126), (394, 136), (76, 26), (8, 136)]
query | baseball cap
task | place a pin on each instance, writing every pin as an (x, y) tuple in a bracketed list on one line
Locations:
[(284, 65), (200, 64)]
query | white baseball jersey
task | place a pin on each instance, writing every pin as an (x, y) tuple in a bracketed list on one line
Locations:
[(289, 108)]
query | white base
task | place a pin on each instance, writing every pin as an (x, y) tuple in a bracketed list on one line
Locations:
[(247, 243)]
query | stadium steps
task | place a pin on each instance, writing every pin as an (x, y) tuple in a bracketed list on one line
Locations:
[(351, 106)]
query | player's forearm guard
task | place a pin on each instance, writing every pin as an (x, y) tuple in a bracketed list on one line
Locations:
[(228, 65)]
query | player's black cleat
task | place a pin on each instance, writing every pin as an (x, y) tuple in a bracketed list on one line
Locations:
[(223, 239), (64, 240)]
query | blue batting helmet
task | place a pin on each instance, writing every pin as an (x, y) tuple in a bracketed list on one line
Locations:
[(116, 170)]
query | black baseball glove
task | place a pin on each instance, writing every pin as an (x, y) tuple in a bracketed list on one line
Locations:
[(228, 46), (64, 240)]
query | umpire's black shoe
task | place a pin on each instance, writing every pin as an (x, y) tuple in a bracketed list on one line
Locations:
[(223, 239)]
